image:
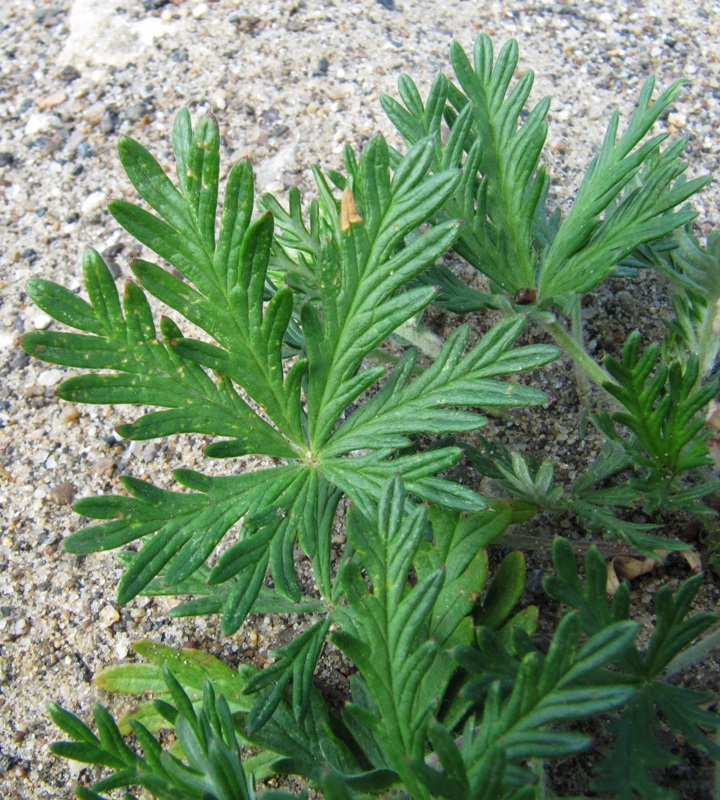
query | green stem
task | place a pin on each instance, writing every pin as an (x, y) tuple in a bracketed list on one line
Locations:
[(536, 764), (577, 352)]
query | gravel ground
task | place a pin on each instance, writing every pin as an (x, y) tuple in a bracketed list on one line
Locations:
[(290, 83)]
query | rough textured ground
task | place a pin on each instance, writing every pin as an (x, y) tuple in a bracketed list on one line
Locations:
[(290, 83)]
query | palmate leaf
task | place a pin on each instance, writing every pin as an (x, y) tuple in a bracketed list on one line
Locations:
[(296, 661), (313, 746), (232, 383), (522, 716), (397, 634), (502, 185), (458, 548), (586, 248), (188, 528), (453, 380), (527, 479), (147, 370), (628, 196), (693, 271), (229, 277)]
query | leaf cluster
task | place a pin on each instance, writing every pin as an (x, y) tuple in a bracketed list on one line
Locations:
[(274, 346), (465, 722), (530, 255), (625, 771), (231, 381), (660, 408)]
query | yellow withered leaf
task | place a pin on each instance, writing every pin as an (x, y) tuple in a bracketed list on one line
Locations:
[(348, 210)]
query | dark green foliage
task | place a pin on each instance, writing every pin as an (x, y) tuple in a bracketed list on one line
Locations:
[(661, 407), (623, 772), (591, 498), (397, 634), (694, 274)]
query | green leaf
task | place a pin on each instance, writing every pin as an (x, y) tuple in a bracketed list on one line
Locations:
[(503, 593), (693, 271), (453, 380), (355, 262), (635, 753), (501, 185), (296, 661), (192, 668), (543, 692), (390, 628), (458, 547), (586, 248)]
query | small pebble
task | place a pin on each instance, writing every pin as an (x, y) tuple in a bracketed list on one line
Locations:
[(63, 494), (219, 100), (50, 377), (150, 451), (108, 616), (69, 73), (70, 414), (84, 150), (41, 123), (51, 100), (92, 203), (104, 466), (109, 122), (138, 110), (677, 119), (95, 113), (41, 321)]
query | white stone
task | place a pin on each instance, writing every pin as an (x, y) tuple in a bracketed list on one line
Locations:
[(122, 647), (41, 321), (100, 35), (219, 100), (41, 123), (92, 203), (270, 171), (108, 616), (150, 29), (677, 119), (50, 377), (199, 10)]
